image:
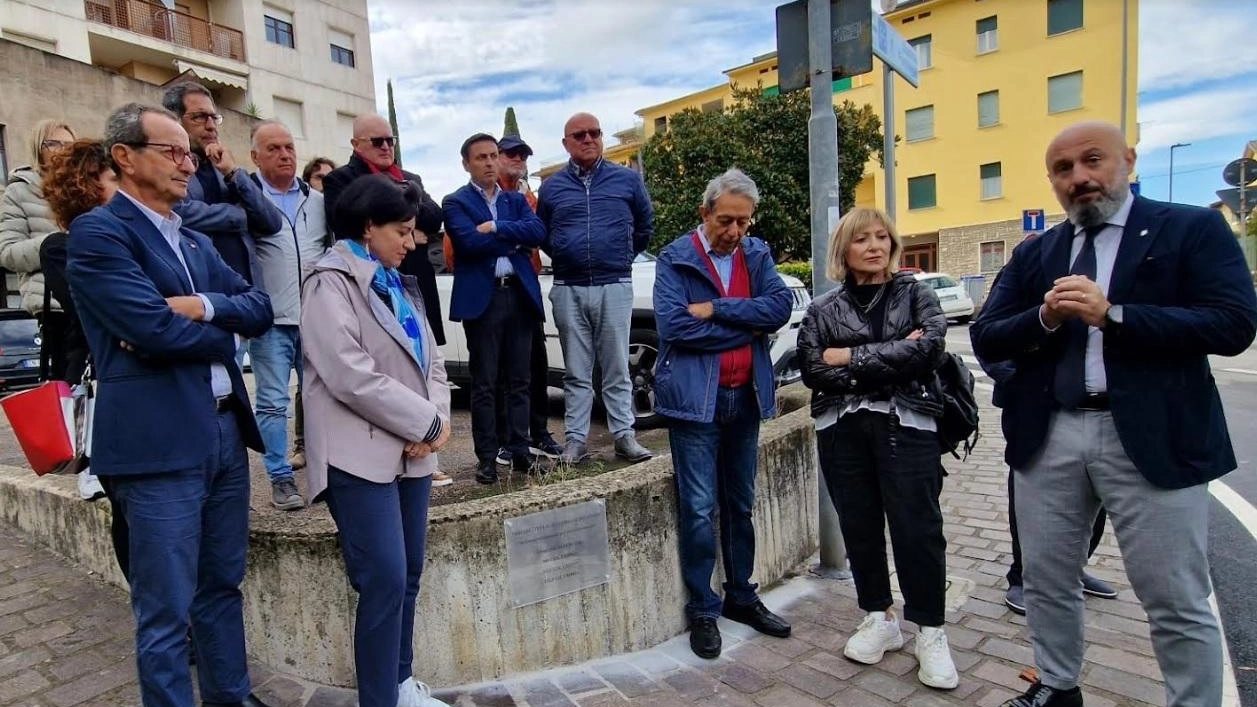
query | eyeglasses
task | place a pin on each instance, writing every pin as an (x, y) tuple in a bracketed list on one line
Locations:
[(205, 117), (176, 153), (378, 142), (580, 135), (52, 144)]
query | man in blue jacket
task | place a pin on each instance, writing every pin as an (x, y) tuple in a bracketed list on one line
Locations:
[(598, 217), (162, 313), (717, 298), (497, 298), (1109, 319)]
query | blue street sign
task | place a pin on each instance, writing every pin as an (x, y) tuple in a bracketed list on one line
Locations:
[(1033, 220), (895, 51), (1134, 188)]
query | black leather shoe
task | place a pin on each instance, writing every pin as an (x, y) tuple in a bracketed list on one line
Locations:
[(705, 638), (487, 474), (1040, 695), (250, 701), (758, 617)]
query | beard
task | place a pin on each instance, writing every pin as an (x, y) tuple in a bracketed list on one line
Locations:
[(1101, 209)]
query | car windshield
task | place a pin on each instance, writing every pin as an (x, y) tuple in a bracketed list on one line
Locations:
[(940, 283)]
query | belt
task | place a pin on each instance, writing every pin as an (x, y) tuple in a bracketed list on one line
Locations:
[(505, 281), (224, 404), (1094, 402)]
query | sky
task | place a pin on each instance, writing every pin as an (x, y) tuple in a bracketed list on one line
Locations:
[(457, 64)]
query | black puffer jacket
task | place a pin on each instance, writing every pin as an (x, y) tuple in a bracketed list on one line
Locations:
[(894, 368)]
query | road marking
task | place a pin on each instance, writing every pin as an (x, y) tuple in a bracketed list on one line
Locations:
[(1245, 371), (1246, 514)]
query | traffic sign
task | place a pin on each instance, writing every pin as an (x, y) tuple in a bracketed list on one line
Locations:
[(1241, 172), (893, 49), (1033, 221), (1231, 197), (851, 40)]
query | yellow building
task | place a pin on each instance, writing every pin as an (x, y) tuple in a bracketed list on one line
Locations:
[(998, 79)]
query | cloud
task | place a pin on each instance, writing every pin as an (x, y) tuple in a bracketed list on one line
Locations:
[(1186, 42), (1197, 116)]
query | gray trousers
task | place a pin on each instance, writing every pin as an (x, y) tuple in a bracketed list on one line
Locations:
[(1162, 534), (593, 324)]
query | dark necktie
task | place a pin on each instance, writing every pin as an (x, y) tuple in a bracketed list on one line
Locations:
[(1071, 369)]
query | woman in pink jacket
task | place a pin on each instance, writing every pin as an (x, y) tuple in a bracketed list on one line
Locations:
[(377, 409)]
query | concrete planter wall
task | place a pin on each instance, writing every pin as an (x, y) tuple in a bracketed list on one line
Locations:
[(299, 606)]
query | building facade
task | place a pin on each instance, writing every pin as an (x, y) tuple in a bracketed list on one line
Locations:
[(307, 62)]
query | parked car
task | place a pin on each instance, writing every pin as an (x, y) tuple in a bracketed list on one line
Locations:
[(19, 349), (951, 294), (643, 339)]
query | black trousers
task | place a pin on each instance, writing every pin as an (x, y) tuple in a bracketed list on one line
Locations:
[(878, 471), (538, 392), (498, 350), (1014, 570)]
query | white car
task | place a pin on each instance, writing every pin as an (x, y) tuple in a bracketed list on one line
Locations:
[(643, 340), (951, 294)]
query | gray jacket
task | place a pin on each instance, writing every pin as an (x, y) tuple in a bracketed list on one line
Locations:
[(24, 221), (285, 258)]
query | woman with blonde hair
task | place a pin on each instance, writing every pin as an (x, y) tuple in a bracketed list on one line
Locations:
[(869, 349)]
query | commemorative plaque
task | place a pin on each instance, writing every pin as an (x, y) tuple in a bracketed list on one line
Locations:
[(557, 552)]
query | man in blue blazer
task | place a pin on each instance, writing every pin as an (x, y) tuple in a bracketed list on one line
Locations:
[(1109, 319), (161, 312), (497, 298)]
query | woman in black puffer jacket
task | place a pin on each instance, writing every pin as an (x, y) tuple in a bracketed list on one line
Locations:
[(869, 350)]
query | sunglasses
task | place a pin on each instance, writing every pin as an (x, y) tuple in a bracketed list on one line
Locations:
[(580, 135), (378, 142)]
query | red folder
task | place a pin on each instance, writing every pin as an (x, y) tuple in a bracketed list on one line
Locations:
[(43, 421)]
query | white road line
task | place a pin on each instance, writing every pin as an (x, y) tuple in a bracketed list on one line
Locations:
[(1246, 514), (1245, 371)]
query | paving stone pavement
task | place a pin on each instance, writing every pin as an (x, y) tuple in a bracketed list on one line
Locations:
[(66, 637)]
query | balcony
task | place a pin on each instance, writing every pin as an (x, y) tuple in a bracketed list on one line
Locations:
[(154, 20)]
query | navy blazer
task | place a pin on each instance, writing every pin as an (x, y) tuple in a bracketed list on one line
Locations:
[(1185, 292), (155, 411), (245, 214), (518, 231)]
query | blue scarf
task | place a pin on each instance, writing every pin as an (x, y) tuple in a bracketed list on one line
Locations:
[(388, 282)]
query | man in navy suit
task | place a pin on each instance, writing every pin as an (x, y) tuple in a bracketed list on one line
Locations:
[(162, 312), (1109, 319), (497, 298)]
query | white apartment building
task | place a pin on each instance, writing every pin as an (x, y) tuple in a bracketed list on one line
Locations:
[(305, 62)]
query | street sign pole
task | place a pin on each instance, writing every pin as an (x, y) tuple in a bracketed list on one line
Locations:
[(822, 140), (888, 136)]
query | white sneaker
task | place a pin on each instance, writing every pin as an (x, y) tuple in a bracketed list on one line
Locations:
[(89, 486), (412, 693), (879, 632), (934, 656)]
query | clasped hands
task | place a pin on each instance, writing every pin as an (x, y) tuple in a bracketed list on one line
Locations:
[(1074, 296), (838, 357), (420, 450)]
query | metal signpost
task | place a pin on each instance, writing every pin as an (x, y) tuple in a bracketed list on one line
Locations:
[(898, 57)]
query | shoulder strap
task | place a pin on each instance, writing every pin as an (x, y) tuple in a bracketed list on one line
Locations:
[(45, 349)]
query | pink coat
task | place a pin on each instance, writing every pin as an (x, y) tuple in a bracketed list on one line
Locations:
[(364, 392)]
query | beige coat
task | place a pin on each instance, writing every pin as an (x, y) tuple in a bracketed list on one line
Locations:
[(364, 393), (25, 221)]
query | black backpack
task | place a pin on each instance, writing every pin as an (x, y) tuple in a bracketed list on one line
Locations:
[(958, 427)]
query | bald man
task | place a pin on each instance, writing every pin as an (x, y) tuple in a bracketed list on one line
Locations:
[(375, 151), (1109, 318)]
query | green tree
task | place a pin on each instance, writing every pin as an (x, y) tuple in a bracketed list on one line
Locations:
[(766, 137), (510, 126), (392, 121)]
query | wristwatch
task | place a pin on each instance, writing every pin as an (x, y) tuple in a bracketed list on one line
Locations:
[(1113, 319)]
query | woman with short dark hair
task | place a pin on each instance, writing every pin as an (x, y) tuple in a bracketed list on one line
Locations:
[(377, 408)]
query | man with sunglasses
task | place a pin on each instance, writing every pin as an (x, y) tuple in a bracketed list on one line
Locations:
[(598, 217), (374, 151), (222, 202)]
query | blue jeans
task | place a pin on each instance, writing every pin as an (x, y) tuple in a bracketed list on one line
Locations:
[(593, 324), (274, 355), (189, 535), (383, 530), (715, 469)]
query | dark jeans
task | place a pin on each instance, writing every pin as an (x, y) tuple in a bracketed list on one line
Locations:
[(496, 341), (715, 469), (538, 392), (878, 471), (383, 530), (1014, 570)]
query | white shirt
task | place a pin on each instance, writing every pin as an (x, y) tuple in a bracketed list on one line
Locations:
[(168, 226), (502, 267), (1107, 242)]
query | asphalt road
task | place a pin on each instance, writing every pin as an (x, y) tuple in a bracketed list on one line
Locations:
[(1232, 544)]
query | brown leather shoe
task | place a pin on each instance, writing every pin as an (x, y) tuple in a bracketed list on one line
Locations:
[(298, 459)]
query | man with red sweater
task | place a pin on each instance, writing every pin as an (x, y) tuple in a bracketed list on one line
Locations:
[(717, 299)]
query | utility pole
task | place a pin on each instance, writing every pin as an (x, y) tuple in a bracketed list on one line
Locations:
[(1174, 147), (888, 136)]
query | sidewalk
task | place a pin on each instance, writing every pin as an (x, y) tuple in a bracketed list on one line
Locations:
[(65, 638)]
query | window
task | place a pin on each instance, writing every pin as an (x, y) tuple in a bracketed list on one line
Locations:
[(920, 123), (1065, 92), (1064, 16), (279, 27), (991, 256), (661, 123), (290, 114), (921, 192), (988, 109), (925, 55), (344, 127), (714, 106), (941, 282), (988, 35), (342, 47), (992, 180)]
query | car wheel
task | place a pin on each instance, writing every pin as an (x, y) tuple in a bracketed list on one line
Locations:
[(643, 354), (964, 320)]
